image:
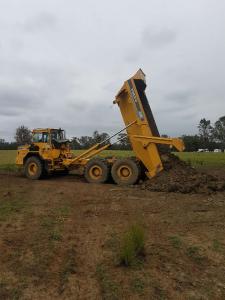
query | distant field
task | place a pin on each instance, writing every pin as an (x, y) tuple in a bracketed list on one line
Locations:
[(7, 158), (207, 159)]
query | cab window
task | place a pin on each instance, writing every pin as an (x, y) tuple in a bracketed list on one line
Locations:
[(41, 137), (37, 137), (45, 137), (57, 135)]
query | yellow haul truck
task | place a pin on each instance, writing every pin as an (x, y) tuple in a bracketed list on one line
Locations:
[(50, 150)]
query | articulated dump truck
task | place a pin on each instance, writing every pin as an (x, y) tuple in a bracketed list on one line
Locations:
[(50, 151)]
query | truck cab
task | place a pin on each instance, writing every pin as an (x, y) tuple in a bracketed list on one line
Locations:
[(48, 149)]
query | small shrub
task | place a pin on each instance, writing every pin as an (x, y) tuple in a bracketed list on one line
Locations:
[(175, 241), (194, 253), (132, 246)]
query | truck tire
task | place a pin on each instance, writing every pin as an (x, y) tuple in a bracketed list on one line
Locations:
[(126, 171), (97, 171), (33, 168)]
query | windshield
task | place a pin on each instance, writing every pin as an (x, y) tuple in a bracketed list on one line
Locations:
[(40, 137), (58, 135)]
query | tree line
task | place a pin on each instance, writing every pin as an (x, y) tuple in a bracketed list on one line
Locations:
[(85, 142), (210, 136)]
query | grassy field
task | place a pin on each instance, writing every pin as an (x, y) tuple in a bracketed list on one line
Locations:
[(210, 159), (7, 159), (207, 159)]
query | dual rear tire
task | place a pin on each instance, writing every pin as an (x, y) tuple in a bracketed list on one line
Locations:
[(97, 171), (123, 171), (126, 171)]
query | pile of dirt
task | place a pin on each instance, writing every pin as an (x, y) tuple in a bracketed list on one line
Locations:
[(179, 176)]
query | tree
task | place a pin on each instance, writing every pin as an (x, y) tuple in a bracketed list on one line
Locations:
[(123, 142), (219, 131), (85, 142), (99, 137), (205, 132), (96, 137), (192, 142), (23, 135), (75, 145)]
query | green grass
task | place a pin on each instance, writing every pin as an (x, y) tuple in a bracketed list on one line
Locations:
[(194, 252), (205, 159), (7, 160), (210, 159), (106, 153), (132, 246), (175, 241)]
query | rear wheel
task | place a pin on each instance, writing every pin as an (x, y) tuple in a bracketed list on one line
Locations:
[(33, 168), (97, 171), (126, 171)]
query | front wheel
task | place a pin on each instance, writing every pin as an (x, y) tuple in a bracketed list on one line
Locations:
[(126, 171), (97, 171), (33, 168)]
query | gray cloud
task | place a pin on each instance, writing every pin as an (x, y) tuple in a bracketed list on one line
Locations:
[(62, 65), (150, 39), (15, 101), (184, 96), (40, 22), (178, 101), (158, 39)]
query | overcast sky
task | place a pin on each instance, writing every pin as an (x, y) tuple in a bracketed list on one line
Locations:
[(62, 62)]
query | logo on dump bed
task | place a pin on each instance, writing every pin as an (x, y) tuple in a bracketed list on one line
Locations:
[(137, 105)]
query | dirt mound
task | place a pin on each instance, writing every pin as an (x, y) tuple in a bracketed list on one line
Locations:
[(179, 176)]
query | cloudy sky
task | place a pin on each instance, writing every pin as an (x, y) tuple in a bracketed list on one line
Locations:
[(62, 62)]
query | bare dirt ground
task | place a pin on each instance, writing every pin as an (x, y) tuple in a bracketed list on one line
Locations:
[(59, 240)]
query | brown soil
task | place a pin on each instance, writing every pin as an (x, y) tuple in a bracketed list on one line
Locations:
[(178, 176), (59, 240)]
